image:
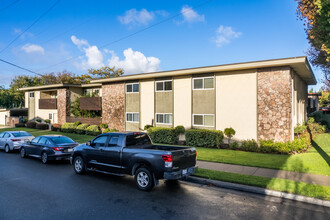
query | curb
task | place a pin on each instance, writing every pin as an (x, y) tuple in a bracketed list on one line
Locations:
[(258, 190)]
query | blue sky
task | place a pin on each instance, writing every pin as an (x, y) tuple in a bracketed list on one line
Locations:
[(217, 32)]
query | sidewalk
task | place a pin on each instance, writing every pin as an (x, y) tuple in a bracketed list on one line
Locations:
[(265, 172)]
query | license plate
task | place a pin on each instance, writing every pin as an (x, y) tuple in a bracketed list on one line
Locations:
[(184, 172), (70, 150)]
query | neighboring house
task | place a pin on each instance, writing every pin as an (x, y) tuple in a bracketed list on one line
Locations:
[(10, 117), (260, 100), (313, 102), (4, 113)]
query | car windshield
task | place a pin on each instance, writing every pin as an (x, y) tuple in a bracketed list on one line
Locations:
[(61, 140), (21, 134), (137, 139)]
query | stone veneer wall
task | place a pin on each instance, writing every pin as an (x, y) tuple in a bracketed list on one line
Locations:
[(113, 105), (63, 105), (274, 103)]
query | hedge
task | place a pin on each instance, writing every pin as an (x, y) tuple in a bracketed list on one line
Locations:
[(81, 129), (42, 126), (19, 125), (108, 130), (93, 130), (162, 135), (68, 127), (56, 127), (31, 124), (204, 138)]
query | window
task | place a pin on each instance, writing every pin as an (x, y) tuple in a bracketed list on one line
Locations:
[(42, 140), (35, 141), (62, 140), (132, 117), (203, 83), (113, 142), (20, 134), (132, 87), (31, 94), (100, 141), (97, 91), (50, 116), (203, 120), (6, 135), (164, 86), (163, 118), (1, 135), (137, 139)]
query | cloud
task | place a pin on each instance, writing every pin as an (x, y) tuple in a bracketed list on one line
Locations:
[(133, 17), (225, 34), (190, 16), (33, 48), (135, 62), (93, 54)]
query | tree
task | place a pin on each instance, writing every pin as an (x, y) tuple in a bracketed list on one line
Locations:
[(315, 14), (324, 100), (229, 132)]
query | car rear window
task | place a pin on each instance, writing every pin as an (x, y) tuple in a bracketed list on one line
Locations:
[(21, 134), (137, 139), (61, 140)]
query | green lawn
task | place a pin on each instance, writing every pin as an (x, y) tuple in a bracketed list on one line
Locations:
[(300, 188), (36, 132), (316, 160)]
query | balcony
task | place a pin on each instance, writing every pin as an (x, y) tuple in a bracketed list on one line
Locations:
[(91, 103), (47, 103)]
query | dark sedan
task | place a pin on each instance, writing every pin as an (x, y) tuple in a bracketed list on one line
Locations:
[(49, 147)]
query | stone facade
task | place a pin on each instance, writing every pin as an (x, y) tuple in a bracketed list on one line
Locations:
[(63, 105), (113, 105), (274, 103)]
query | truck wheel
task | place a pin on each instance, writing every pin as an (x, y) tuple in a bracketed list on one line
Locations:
[(78, 165), (144, 179)]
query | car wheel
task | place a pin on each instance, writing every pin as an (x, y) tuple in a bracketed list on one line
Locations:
[(144, 179), (7, 148), (22, 152), (79, 165), (44, 157)]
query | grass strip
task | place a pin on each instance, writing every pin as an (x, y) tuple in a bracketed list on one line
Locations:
[(289, 186)]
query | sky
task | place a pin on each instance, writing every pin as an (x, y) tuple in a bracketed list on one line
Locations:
[(145, 36)]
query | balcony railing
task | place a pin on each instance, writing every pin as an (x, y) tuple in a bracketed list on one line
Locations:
[(91, 103), (47, 103)]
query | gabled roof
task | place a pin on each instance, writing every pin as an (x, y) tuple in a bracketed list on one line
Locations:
[(299, 64)]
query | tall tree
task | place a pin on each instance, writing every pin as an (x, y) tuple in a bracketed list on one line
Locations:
[(316, 17)]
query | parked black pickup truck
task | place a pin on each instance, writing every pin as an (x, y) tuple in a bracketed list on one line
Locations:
[(133, 153)]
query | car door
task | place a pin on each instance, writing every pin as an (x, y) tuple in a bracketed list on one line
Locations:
[(110, 154), (1, 140), (31, 147), (94, 154), (5, 139), (40, 145)]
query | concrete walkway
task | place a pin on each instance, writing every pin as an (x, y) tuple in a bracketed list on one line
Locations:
[(265, 172)]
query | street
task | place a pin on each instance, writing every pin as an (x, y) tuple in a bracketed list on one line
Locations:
[(31, 190)]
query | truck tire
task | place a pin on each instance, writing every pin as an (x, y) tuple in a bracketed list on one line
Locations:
[(79, 165), (144, 179)]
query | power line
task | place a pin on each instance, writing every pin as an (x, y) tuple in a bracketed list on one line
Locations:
[(41, 16), (12, 64), (13, 3), (130, 35)]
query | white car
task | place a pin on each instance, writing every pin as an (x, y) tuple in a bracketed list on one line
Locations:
[(13, 140)]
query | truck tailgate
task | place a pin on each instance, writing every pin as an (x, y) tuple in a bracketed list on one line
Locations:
[(183, 159)]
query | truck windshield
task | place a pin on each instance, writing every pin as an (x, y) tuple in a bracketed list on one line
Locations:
[(137, 139)]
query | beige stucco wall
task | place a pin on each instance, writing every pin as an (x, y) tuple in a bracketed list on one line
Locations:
[(132, 102), (146, 102), (164, 102), (182, 101), (75, 93), (26, 99), (131, 126), (43, 113), (236, 103), (203, 101), (3, 115), (32, 106)]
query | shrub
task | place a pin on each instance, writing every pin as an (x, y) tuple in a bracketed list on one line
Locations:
[(108, 130), (47, 121), (81, 129), (146, 127), (299, 129), (317, 115), (25, 120), (103, 125), (249, 145), (311, 120), (42, 126), (269, 146), (234, 146), (325, 123), (179, 129), (31, 124), (204, 138), (162, 135), (316, 128), (93, 130), (56, 127), (38, 120), (19, 125), (68, 127), (229, 132), (76, 123)]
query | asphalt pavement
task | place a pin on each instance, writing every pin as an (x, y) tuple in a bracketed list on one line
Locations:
[(32, 190)]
